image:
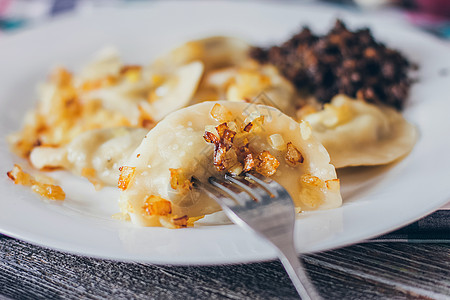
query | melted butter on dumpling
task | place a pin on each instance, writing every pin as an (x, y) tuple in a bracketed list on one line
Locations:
[(156, 180), (357, 133)]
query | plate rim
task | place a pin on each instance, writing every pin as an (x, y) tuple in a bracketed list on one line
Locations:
[(24, 237)]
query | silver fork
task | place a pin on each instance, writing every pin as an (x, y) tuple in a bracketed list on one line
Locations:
[(262, 206)]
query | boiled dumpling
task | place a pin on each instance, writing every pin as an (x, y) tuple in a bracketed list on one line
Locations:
[(96, 154), (214, 52), (212, 138), (176, 92), (250, 81), (357, 133), (106, 62), (143, 91), (105, 94)]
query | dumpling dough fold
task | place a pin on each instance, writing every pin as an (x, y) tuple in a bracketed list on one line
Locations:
[(176, 150), (357, 133)]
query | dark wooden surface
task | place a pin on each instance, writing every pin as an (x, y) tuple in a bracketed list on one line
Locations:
[(364, 271)]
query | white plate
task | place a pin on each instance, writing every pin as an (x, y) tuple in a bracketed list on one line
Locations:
[(376, 199)]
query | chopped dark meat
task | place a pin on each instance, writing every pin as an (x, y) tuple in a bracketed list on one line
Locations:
[(342, 61)]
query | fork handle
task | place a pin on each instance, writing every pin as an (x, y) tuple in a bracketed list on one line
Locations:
[(295, 270)]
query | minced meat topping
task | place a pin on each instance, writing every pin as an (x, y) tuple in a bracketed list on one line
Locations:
[(341, 62)]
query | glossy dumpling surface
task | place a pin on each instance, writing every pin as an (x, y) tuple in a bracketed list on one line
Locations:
[(357, 133), (181, 146)]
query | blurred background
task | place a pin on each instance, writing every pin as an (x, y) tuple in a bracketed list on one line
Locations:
[(430, 15)]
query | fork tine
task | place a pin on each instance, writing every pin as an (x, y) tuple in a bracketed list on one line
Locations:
[(271, 185), (272, 219), (236, 193), (213, 193), (254, 189)]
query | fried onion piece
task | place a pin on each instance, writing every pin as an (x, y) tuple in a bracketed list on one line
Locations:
[(157, 206), (126, 177), (266, 164), (19, 176), (220, 152), (62, 116), (226, 136), (293, 156), (227, 156), (178, 180), (210, 137), (47, 190), (224, 156), (249, 162), (246, 157), (220, 113)]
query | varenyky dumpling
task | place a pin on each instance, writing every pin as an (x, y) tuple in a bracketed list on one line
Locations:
[(96, 154), (145, 90), (357, 133), (250, 81), (212, 138), (105, 94), (214, 52)]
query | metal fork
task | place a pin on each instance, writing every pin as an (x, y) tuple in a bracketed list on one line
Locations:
[(262, 206)]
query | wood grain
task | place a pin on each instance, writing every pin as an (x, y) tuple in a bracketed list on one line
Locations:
[(364, 271)]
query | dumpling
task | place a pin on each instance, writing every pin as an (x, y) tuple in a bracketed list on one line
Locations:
[(211, 138), (96, 154), (105, 94), (250, 81), (135, 91), (104, 63), (357, 133), (214, 52)]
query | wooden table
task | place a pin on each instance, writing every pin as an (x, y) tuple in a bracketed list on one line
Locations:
[(363, 271)]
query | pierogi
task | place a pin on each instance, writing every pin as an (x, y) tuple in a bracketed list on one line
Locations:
[(358, 133), (250, 81), (145, 90), (211, 138), (95, 154), (214, 52), (105, 94), (96, 124)]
